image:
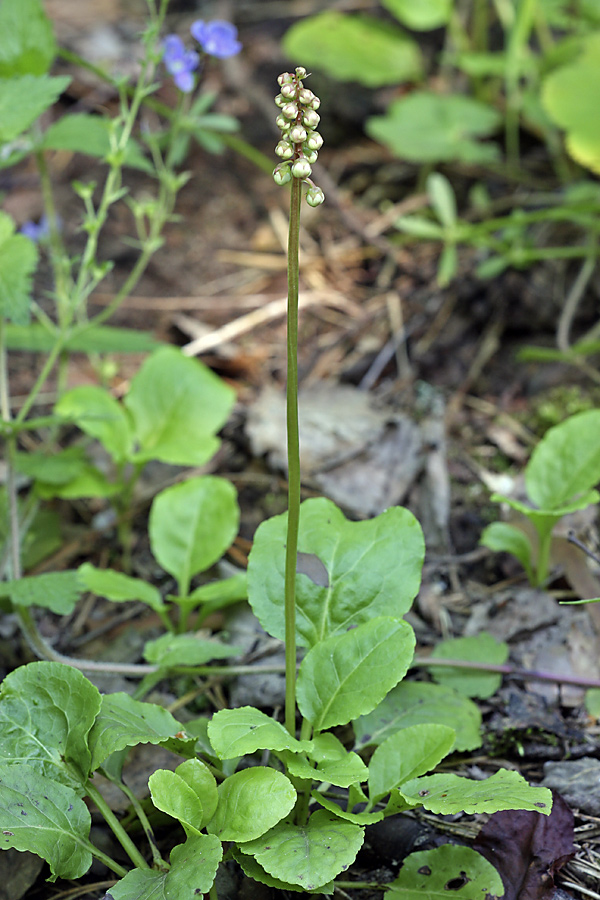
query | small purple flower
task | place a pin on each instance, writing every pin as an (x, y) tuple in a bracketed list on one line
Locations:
[(180, 63), (36, 231), (216, 38)]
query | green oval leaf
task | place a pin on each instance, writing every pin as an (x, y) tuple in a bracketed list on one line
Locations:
[(308, 855), (178, 405), (354, 48), (191, 526), (406, 755), (421, 16), (98, 414), (448, 793), (448, 870), (250, 803), (349, 674), (373, 568), (23, 99), (242, 731), (27, 44), (118, 587), (58, 591), (189, 794), (482, 648), (47, 818), (170, 650)]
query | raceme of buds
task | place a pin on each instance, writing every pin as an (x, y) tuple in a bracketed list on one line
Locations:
[(300, 143)]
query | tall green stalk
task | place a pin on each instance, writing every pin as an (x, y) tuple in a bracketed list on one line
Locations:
[(298, 148)]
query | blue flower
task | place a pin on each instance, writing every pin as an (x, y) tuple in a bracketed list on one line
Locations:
[(36, 231), (216, 38), (180, 63)]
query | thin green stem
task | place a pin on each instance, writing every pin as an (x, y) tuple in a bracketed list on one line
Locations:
[(293, 453), (157, 859), (117, 829)]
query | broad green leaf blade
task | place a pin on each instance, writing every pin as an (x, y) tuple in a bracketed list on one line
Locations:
[(216, 595), (362, 818), (429, 128), (57, 468), (406, 755), (46, 712), (373, 569), (170, 650), (118, 587), (24, 99), (88, 481), (97, 413), (45, 817), (250, 803), (125, 722), (413, 702), (506, 789), (188, 794), (18, 261), (253, 870), (193, 869), (178, 406), (483, 648), (309, 855), (27, 44), (84, 133), (566, 462), (501, 537), (342, 772), (242, 731), (448, 870), (99, 339), (592, 702), (570, 95), (58, 591), (421, 16), (350, 674), (354, 48), (192, 524)]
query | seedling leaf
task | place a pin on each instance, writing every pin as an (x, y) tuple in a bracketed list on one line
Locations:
[(186, 650), (178, 405), (193, 869), (414, 702), (47, 818), (506, 789), (503, 537), (373, 569), (241, 731), (58, 591), (189, 794), (406, 755), (481, 648), (46, 712), (98, 414), (118, 587), (448, 870), (430, 128), (354, 48), (125, 722), (309, 855), (239, 817), (349, 674)]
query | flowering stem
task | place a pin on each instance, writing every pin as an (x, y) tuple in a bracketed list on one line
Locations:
[(293, 453)]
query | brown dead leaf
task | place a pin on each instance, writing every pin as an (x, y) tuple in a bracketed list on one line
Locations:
[(528, 848)]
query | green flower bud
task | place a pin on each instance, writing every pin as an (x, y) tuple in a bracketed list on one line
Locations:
[(297, 134), (306, 97), (300, 72), (310, 118), (301, 168), (310, 155), (290, 110), (314, 103), (284, 150), (315, 196), (314, 141), (280, 100), (288, 91), (282, 174), (285, 78), (283, 123)]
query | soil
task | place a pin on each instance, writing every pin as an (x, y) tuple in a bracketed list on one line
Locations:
[(433, 372)]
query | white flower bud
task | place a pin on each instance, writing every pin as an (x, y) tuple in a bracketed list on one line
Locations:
[(297, 134), (283, 123), (285, 78), (280, 100), (288, 91), (282, 174), (310, 118), (284, 150), (301, 168), (305, 96), (310, 155), (290, 110), (315, 196), (300, 72), (315, 103), (314, 141)]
